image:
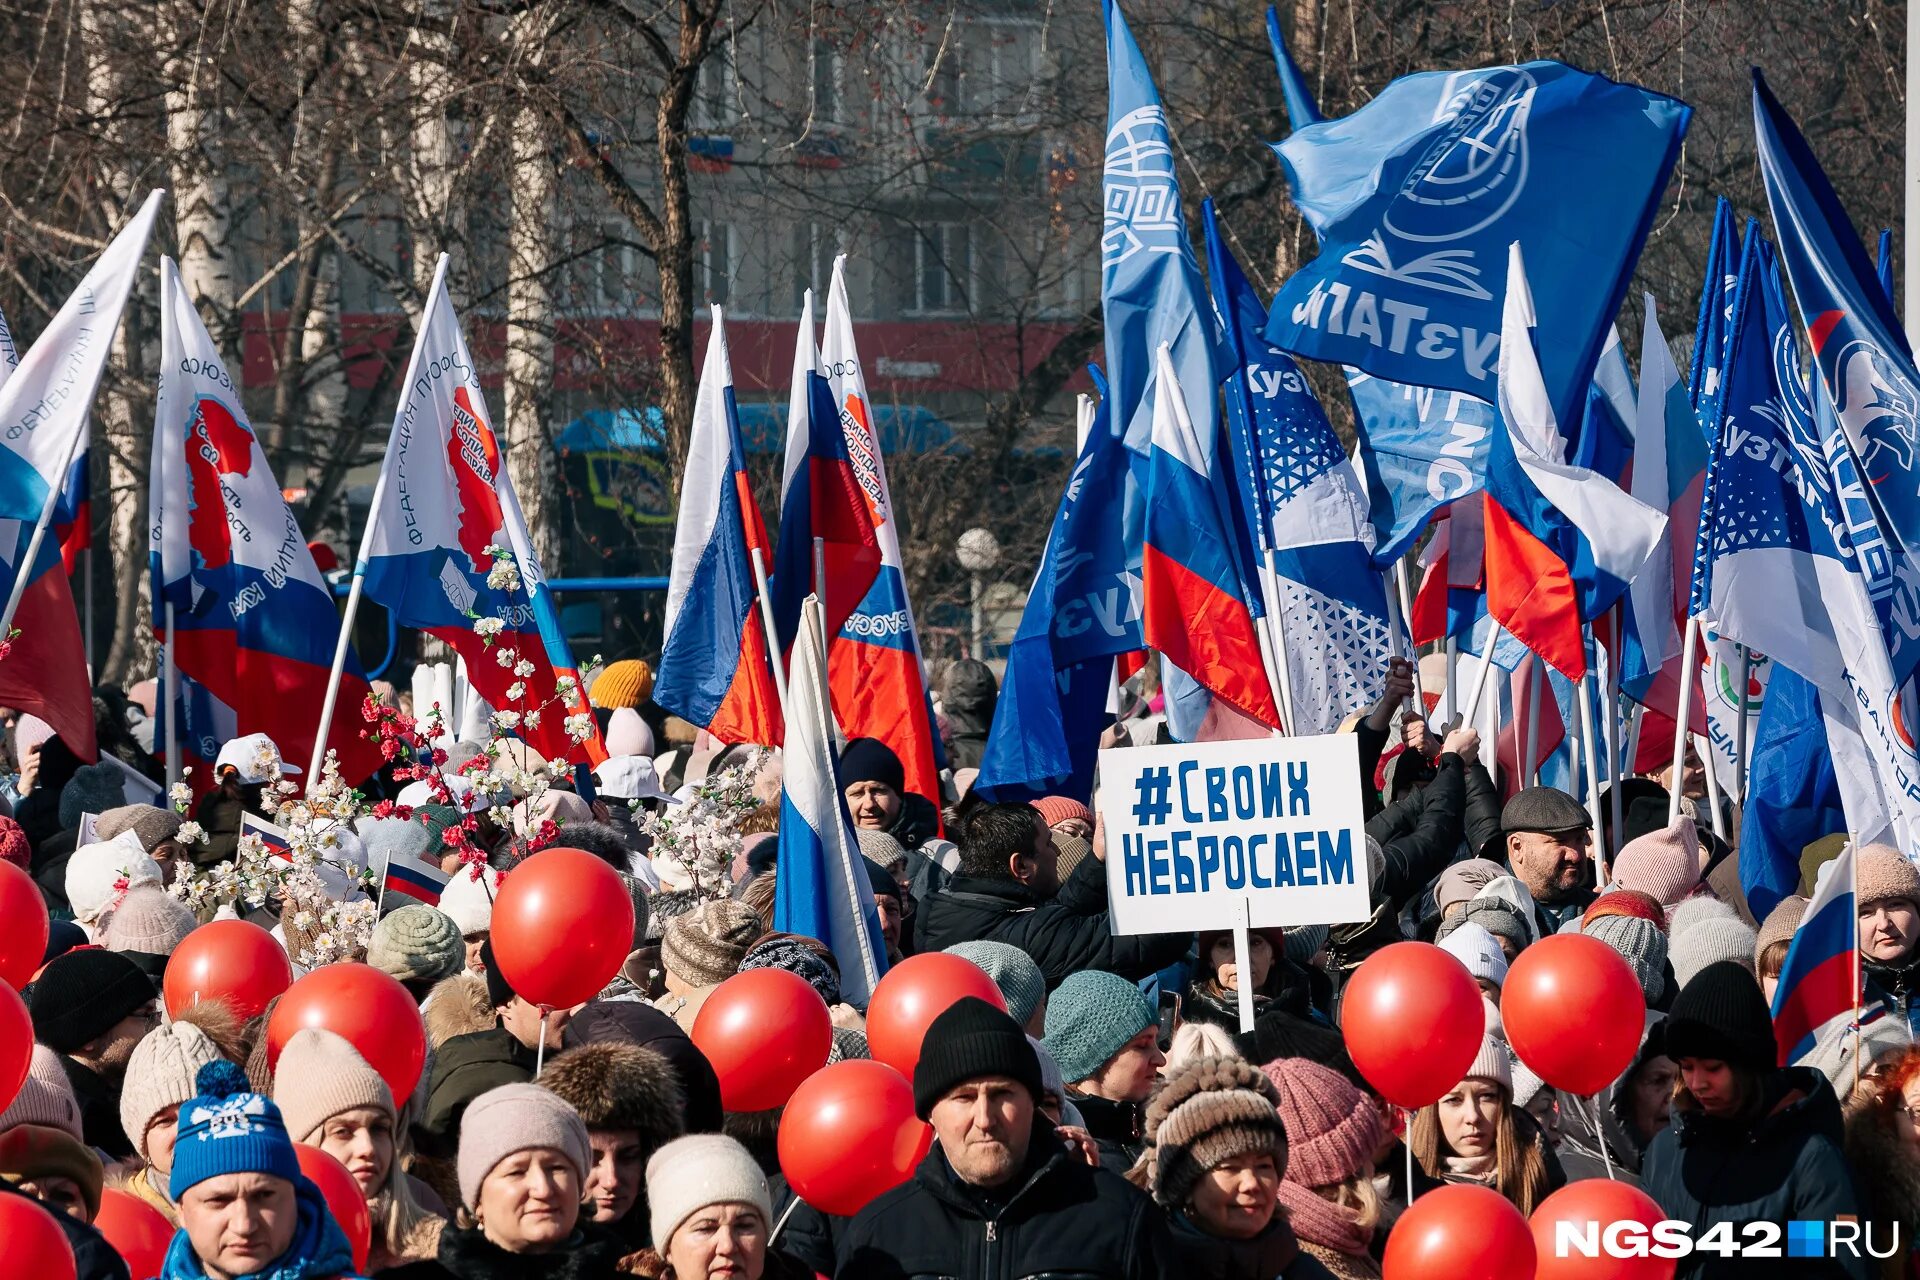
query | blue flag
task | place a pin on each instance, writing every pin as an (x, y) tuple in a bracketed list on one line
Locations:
[(1867, 372), (1301, 108), (1793, 797), (1417, 195), (1883, 266), (1082, 611)]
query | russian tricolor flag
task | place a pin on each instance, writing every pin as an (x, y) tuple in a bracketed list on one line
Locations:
[(823, 890), (1193, 611), (414, 876), (714, 668), (1561, 542), (1820, 981)]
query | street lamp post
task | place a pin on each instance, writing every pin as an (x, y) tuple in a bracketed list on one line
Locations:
[(978, 552)]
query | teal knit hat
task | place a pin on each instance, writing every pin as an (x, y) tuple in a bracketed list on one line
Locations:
[(1021, 983), (1090, 1018)]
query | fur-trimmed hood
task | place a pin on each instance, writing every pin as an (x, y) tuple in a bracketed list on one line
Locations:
[(621, 1086), (458, 1006)]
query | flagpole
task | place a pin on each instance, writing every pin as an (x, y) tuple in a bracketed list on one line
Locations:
[(1740, 728), (1280, 673), (820, 590), (1400, 595), (1632, 753), (1689, 651), (1581, 689), (766, 624), (86, 596), (169, 691), (1530, 765), (1490, 732), (24, 571), (1453, 681), (1705, 748), (1480, 677), (1611, 709)]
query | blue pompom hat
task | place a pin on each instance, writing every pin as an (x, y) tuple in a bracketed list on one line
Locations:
[(229, 1128)]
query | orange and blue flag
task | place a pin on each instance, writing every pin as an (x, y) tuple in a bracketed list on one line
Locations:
[(714, 668)]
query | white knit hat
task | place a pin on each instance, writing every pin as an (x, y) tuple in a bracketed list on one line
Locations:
[(690, 1173), (94, 870), (160, 1074), (468, 899), (148, 920), (1494, 1062), (1474, 947)]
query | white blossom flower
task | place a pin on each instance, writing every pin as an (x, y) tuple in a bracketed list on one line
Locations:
[(507, 719), (565, 685), (532, 719), (488, 628), (523, 668), (518, 690), (506, 657), (579, 727), (191, 833), (504, 576)]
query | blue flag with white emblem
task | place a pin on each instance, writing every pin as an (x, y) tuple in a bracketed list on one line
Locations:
[(1084, 609), (1416, 196)]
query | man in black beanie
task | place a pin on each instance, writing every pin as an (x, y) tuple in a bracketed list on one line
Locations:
[(998, 1171), (92, 1007), (1750, 1141)]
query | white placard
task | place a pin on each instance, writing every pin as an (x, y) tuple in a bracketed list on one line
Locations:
[(1258, 832)]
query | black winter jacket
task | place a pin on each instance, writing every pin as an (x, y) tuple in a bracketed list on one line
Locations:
[(464, 1067), (1787, 1165), (1117, 1129), (1274, 1254), (1063, 934), (1064, 1221), (593, 1253)]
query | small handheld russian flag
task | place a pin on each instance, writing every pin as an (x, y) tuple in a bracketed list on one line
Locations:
[(1820, 981)]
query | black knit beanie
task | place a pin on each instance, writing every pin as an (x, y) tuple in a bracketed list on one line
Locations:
[(970, 1040), (79, 997), (499, 993), (1722, 1015), (871, 760)]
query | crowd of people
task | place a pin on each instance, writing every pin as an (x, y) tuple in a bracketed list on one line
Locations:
[(1114, 1119)]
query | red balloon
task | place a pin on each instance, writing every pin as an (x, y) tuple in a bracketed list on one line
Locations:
[(562, 927), (138, 1232), (1413, 1022), (23, 926), (764, 1031), (1589, 1205), (341, 1190), (366, 1008), (16, 1044), (1573, 1012), (1459, 1232), (914, 993), (849, 1134), (231, 960), (31, 1242)]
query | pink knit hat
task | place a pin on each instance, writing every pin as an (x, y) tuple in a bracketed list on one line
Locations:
[(1664, 865), (1056, 809), (13, 844), (1332, 1128), (45, 1097)]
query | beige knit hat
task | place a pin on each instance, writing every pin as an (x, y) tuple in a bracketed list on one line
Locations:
[(517, 1117), (1884, 873), (1780, 925), (148, 920), (1494, 1062), (160, 1074), (45, 1097), (1207, 1113), (152, 824), (704, 947), (690, 1173), (319, 1076)]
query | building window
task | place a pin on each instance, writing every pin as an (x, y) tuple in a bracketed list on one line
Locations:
[(824, 65), (986, 70), (713, 91), (943, 267), (713, 259)]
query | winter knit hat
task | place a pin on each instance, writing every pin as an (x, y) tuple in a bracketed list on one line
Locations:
[(626, 683), (94, 788), (80, 997), (1641, 943), (1474, 947), (13, 844), (1664, 865), (1627, 902), (1491, 914), (45, 1097), (628, 735), (31, 1151), (1780, 925), (468, 900), (1526, 1085), (690, 1173), (1071, 851), (1703, 931), (792, 953), (518, 1117), (1205, 1114), (1058, 809), (879, 847), (99, 872), (319, 1076), (1090, 1018), (1304, 941), (152, 824), (160, 1075), (871, 760), (417, 942), (1463, 880), (227, 1128), (704, 947), (849, 1045), (1494, 1062), (1021, 983), (148, 920), (972, 1039), (1332, 1127), (1883, 873), (1720, 1014)]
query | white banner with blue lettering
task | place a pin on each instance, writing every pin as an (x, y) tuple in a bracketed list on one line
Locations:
[(1195, 831)]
